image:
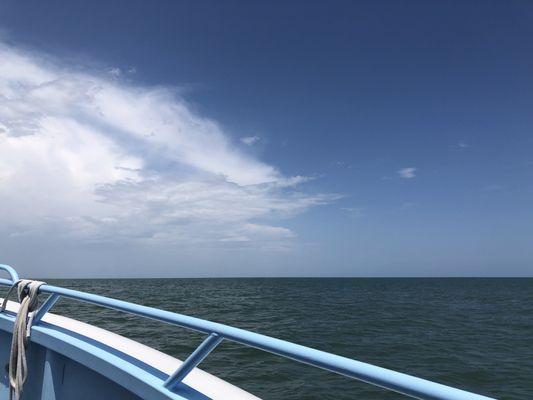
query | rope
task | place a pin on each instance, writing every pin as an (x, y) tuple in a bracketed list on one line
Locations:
[(27, 292)]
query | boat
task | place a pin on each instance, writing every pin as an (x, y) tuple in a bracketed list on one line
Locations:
[(69, 359)]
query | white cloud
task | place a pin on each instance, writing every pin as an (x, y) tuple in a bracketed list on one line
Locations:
[(116, 72), (250, 140), (407, 173), (460, 146), (86, 155)]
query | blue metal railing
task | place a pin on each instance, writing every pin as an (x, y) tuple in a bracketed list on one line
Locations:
[(382, 377), (14, 275)]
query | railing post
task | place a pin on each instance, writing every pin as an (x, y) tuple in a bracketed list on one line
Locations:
[(196, 357), (45, 307)]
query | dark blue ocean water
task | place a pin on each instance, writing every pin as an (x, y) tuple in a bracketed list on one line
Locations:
[(476, 334)]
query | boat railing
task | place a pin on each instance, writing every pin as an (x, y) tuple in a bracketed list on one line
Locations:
[(216, 333)]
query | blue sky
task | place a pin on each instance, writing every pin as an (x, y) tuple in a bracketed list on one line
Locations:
[(379, 138)]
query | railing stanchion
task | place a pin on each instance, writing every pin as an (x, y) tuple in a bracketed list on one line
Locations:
[(196, 357), (45, 307)]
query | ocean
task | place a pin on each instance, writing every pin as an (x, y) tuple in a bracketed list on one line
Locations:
[(474, 334)]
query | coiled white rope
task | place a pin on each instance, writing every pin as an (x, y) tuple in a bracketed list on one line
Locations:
[(27, 292)]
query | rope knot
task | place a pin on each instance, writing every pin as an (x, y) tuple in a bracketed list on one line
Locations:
[(29, 289), (27, 292)]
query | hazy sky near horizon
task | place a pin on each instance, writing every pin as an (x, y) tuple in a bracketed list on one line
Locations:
[(247, 138)]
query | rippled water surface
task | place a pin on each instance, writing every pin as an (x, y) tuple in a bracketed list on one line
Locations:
[(475, 334)]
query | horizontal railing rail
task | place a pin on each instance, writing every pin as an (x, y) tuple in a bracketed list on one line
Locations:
[(382, 377)]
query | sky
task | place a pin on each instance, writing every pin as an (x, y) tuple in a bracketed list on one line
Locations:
[(248, 138)]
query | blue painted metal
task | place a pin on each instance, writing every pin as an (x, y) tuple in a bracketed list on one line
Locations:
[(385, 378), (51, 376), (196, 357), (11, 271), (96, 357), (45, 307)]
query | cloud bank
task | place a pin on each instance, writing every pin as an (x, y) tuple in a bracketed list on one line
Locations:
[(89, 156)]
